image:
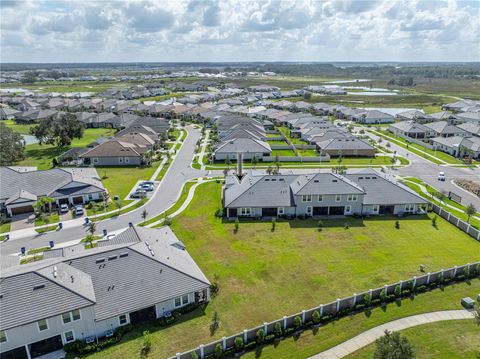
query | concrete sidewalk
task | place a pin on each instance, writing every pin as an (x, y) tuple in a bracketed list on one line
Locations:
[(373, 334)]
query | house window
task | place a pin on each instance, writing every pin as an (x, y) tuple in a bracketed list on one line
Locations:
[(76, 314), (90, 196), (307, 198), (178, 302), (3, 336), (348, 209), (69, 336), (309, 210), (320, 198), (95, 160), (352, 198), (375, 208), (42, 324), (338, 198), (127, 160), (409, 207), (244, 211), (66, 318), (122, 319), (120, 159), (185, 299), (280, 211)]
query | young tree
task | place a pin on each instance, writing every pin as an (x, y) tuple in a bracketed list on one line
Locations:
[(393, 346), (58, 131), (92, 227), (269, 170), (118, 205), (470, 210), (254, 161), (441, 196), (12, 146)]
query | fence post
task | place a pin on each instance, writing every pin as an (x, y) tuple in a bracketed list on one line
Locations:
[(428, 278), (401, 283), (458, 221), (478, 236), (284, 322), (303, 316), (454, 272), (337, 305), (202, 351), (178, 355), (414, 281), (321, 310), (354, 299), (245, 336), (265, 328), (224, 343), (449, 214)]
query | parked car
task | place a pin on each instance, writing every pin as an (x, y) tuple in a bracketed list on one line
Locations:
[(146, 187), (441, 176), (148, 182), (63, 208), (78, 210), (139, 193)]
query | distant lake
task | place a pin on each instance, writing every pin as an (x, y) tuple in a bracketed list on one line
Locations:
[(29, 139)]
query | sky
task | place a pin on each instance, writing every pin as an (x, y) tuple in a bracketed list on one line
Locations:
[(239, 30)]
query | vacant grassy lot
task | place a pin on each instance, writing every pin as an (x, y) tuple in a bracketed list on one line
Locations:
[(264, 275), (20, 128), (41, 155), (442, 340)]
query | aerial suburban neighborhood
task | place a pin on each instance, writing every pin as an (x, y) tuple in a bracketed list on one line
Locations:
[(265, 179)]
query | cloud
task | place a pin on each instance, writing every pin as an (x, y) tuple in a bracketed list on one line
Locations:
[(232, 30)]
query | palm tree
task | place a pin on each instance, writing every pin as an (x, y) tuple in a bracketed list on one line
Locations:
[(118, 205), (92, 227), (254, 161), (144, 215), (470, 210), (106, 197)]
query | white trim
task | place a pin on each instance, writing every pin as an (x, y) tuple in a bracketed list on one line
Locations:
[(127, 319), (307, 198), (338, 198), (375, 208), (175, 302), (69, 318), (64, 336), (188, 299), (126, 160), (280, 211), (245, 211), (348, 209), (320, 198), (309, 210)]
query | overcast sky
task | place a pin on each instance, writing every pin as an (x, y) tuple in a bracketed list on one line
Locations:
[(238, 30)]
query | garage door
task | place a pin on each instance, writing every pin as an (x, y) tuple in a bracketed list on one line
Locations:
[(320, 211), (78, 200), (22, 209), (386, 209), (337, 211), (269, 212)]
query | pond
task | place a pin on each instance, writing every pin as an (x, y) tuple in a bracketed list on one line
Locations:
[(29, 139)]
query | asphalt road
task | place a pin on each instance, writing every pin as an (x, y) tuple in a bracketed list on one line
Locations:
[(165, 196)]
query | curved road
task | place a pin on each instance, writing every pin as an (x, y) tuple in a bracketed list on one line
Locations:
[(165, 195)]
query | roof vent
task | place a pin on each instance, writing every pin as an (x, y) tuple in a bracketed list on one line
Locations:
[(54, 271), (123, 255), (38, 286), (111, 258), (100, 260)]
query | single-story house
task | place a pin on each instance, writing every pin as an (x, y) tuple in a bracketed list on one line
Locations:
[(445, 129), (411, 129), (458, 146), (373, 117), (249, 147), (20, 190), (346, 147), (116, 153)]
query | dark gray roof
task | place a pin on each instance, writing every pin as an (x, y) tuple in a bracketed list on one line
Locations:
[(324, 183), (379, 190), (243, 145)]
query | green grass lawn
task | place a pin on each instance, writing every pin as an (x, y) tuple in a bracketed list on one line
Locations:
[(277, 142), (441, 340), (273, 135), (52, 218), (5, 227), (307, 153), (20, 128), (263, 275), (41, 155), (283, 153)]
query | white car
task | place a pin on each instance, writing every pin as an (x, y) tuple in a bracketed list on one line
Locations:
[(63, 208), (78, 210), (441, 176)]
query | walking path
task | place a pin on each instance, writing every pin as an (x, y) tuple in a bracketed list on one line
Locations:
[(204, 147), (373, 334)]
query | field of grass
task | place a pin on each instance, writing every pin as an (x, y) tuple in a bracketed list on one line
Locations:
[(441, 340), (283, 153), (263, 275), (41, 155), (277, 142), (5, 227), (20, 128), (307, 153)]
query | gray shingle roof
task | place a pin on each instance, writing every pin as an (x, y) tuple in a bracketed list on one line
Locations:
[(324, 183)]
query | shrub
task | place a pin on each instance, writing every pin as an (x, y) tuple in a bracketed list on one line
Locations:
[(219, 213), (440, 278), (194, 355), (218, 351), (397, 291), (147, 341), (75, 347), (367, 299), (397, 224), (215, 322), (214, 289), (270, 338), (466, 272), (297, 322), (277, 329), (235, 228), (346, 225), (434, 221), (260, 336), (238, 344), (274, 224), (383, 295), (411, 286), (320, 226), (121, 331), (316, 316)]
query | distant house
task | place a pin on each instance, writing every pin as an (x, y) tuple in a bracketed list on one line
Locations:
[(414, 115), (20, 190), (346, 147), (83, 294), (116, 153), (8, 113), (249, 147), (411, 129), (373, 117), (458, 146), (318, 194), (445, 129)]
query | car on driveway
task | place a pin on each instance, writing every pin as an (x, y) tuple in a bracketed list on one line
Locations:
[(139, 193), (146, 187), (78, 211), (64, 208), (441, 176), (148, 182)]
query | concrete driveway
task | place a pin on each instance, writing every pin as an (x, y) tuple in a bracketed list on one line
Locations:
[(22, 221)]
